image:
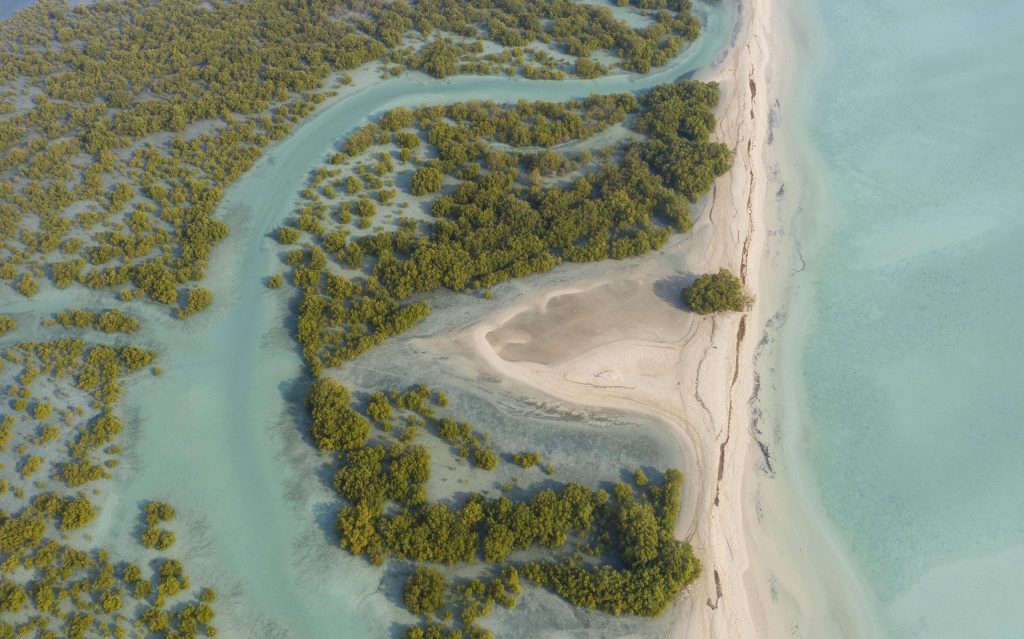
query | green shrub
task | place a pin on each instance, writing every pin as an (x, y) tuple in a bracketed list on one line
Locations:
[(485, 458), (526, 460), (426, 180), (115, 321), (424, 591), (166, 540), (397, 118), (31, 465), (335, 425), (27, 285), (198, 300), (158, 511), (640, 478), (589, 68), (64, 273), (406, 140), (717, 292), (76, 318), (75, 513), (12, 597), (42, 411), (365, 208), (287, 235)]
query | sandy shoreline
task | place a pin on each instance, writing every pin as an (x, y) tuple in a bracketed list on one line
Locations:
[(624, 343)]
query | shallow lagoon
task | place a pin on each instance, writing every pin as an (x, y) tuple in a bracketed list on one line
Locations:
[(905, 331), (220, 433)]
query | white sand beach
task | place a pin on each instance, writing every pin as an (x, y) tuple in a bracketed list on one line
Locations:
[(626, 343)]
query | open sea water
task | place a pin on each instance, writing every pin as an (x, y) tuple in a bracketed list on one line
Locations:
[(907, 319)]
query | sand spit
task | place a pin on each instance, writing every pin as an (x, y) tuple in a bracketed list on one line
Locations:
[(624, 343)]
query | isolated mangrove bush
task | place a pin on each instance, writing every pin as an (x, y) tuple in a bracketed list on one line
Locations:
[(716, 293)]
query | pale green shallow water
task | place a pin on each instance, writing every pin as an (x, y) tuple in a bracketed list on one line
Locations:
[(220, 434), (908, 317)]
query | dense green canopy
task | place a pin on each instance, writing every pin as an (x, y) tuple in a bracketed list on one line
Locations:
[(507, 212), (121, 123)]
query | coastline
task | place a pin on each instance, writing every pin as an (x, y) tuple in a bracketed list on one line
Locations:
[(695, 374), (871, 210), (269, 463)]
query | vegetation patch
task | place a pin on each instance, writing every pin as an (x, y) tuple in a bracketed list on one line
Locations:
[(52, 582), (613, 552), (716, 293), (111, 321), (513, 205), (121, 124), (508, 195)]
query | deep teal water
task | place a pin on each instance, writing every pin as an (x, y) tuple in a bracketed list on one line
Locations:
[(910, 309)]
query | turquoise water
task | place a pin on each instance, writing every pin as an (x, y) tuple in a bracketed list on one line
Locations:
[(908, 316), (220, 433), (9, 7)]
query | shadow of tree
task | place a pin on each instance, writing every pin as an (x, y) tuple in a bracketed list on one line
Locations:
[(670, 289)]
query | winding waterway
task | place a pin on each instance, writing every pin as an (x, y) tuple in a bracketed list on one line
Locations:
[(220, 432)]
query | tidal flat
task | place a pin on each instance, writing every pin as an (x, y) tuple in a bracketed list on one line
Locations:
[(219, 431)]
